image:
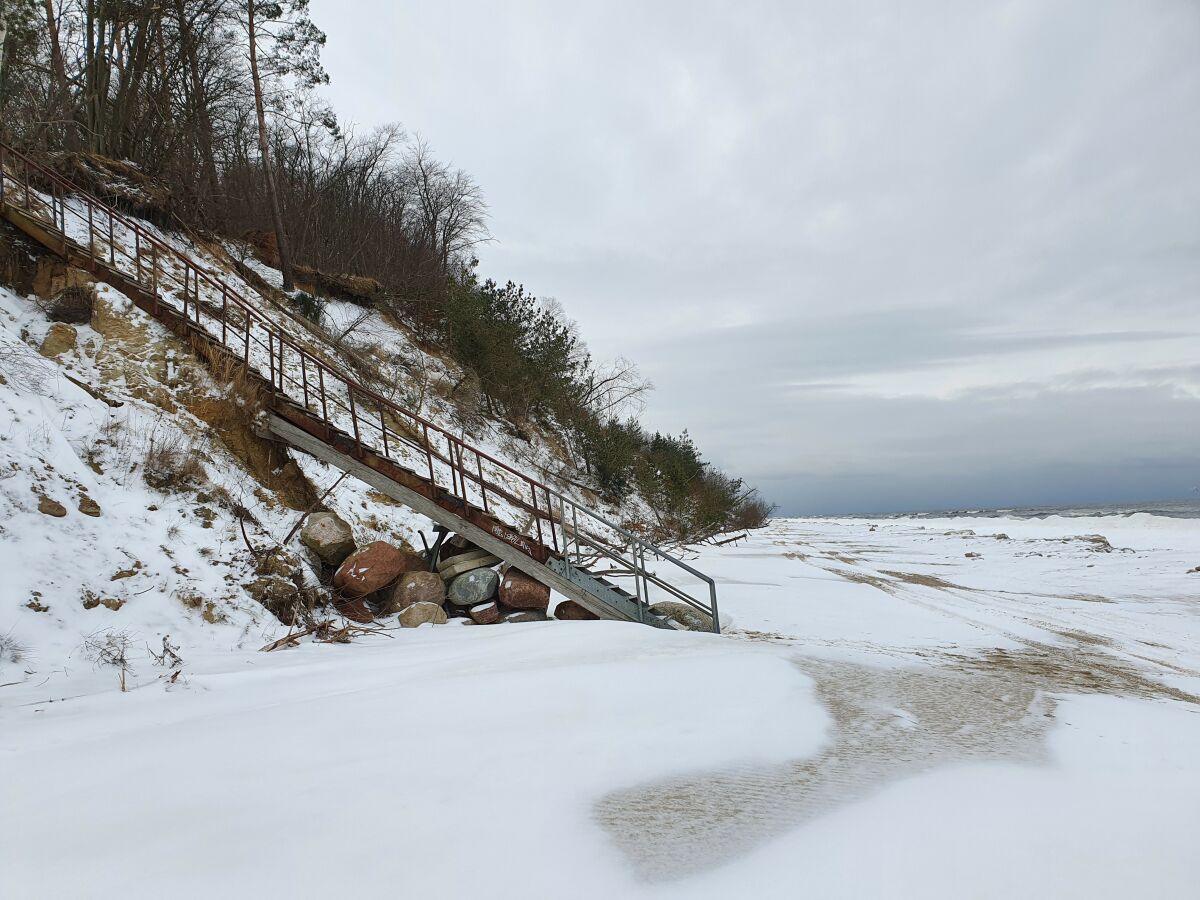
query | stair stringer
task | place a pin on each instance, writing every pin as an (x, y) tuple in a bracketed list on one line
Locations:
[(559, 575)]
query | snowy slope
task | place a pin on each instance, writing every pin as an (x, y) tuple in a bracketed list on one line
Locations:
[(153, 562)]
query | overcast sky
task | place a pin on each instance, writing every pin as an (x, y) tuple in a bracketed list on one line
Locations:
[(874, 255)]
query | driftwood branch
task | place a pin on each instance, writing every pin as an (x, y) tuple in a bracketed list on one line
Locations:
[(291, 639)]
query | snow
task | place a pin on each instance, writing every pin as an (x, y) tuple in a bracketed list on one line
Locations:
[(430, 763), (1013, 725), (147, 551), (1113, 814)]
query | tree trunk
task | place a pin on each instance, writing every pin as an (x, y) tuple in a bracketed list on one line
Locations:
[(285, 257), (58, 107), (213, 203)]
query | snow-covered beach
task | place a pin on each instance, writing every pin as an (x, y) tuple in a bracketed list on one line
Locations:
[(986, 707)]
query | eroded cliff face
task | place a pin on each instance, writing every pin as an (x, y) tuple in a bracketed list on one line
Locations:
[(136, 493)]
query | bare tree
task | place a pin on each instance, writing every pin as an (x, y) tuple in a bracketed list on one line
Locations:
[(616, 389), (264, 150), (291, 60), (450, 205)]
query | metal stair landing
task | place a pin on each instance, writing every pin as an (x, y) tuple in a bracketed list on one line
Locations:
[(316, 406)]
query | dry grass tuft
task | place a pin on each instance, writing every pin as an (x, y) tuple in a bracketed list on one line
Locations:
[(72, 305), (12, 651), (172, 463)]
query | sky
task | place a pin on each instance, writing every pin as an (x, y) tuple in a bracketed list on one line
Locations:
[(873, 256)]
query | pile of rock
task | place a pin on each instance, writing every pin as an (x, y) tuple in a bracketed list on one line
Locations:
[(380, 580), (478, 592)]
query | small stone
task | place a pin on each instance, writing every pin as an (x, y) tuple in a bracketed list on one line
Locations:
[(329, 537), (91, 601), (525, 615), (59, 339), (475, 587), (485, 613), (973, 555), (1099, 543), (88, 506), (373, 568), (422, 613), (569, 610), (49, 507), (519, 591), (689, 617)]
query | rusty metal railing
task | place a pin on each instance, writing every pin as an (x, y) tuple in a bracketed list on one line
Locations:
[(223, 315)]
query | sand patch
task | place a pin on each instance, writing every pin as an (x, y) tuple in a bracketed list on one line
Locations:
[(887, 724)]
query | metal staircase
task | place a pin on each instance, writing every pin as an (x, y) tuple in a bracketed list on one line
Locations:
[(315, 406)]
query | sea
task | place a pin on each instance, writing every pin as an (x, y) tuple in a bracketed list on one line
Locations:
[(1174, 509)]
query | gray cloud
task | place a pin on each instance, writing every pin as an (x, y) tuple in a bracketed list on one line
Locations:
[(845, 240)]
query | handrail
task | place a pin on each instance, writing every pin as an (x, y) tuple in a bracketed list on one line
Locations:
[(319, 383)]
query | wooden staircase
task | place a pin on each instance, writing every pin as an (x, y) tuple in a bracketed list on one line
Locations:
[(315, 406)]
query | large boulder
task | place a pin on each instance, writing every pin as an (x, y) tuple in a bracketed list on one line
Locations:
[(422, 614), (475, 587), (329, 537), (416, 587), (571, 611), (59, 339), (519, 591), (372, 568), (689, 617)]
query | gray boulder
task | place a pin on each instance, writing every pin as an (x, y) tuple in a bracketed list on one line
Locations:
[(421, 614), (475, 587), (691, 619), (329, 537), (525, 615)]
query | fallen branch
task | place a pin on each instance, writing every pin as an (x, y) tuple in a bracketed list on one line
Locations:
[(346, 633), (246, 537), (291, 639), (736, 537), (92, 392)]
